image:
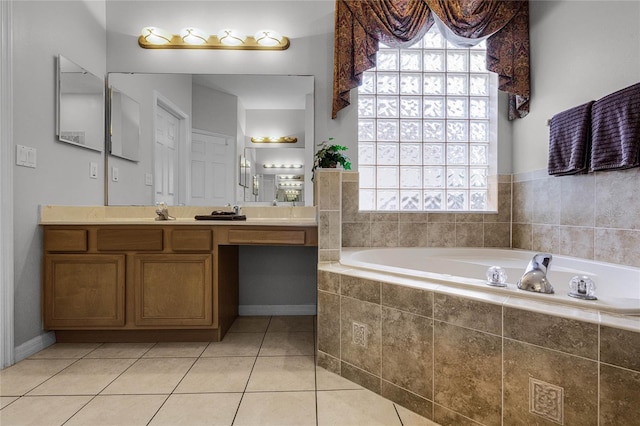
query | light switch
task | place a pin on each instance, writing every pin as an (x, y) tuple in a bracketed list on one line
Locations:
[(114, 174), (25, 156), (93, 170), (148, 179)]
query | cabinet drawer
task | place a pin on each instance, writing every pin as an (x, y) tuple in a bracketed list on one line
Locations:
[(191, 240), (65, 240), (248, 236), (129, 239)]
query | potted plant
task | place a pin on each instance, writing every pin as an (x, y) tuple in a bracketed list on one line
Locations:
[(330, 155)]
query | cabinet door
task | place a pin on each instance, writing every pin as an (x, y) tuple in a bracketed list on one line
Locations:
[(173, 289), (83, 291)]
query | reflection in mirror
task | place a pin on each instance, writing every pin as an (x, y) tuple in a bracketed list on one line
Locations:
[(193, 133), (80, 101), (124, 129), (279, 177)]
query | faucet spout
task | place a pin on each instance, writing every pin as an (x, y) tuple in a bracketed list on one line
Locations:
[(535, 276)]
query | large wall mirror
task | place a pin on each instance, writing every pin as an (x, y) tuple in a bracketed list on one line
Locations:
[(196, 148), (80, 106), (124, 125)]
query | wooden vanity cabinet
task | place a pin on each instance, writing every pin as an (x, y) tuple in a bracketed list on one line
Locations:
[(128, 278), (148, 282)]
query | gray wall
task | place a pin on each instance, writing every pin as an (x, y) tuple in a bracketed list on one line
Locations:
[(42, 30)]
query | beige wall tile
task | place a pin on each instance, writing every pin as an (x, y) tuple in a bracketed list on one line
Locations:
[(407, 352), (619, 396), (617, 246), (356, 234), (384, 234), (578, 200), (468, 372), (415, 217), (446, 417), (442, 235), (360, 350), (468, 313), (442, 217), (577, 376), (329, 255), (350, 204), (360, 288), (504, 205), (497, 235), (620, 347), (328, 189), (545, 238), (546, 201), (328, 362), (329, 323), (561, 334), (409, 400), (361, 377), (384, 217), (576, 241), (414, 300), (329, 230), (329, 281), (521, 236), (523, 202), (412, 234), (469, 217), (469, 234), (617, 203)]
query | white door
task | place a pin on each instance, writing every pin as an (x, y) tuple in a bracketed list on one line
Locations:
[(212, 169), (166, 157)]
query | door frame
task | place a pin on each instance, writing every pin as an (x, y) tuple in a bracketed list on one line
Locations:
[(7, 342), (183, 146)]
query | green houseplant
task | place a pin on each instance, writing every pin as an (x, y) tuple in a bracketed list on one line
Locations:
[(329, 155)]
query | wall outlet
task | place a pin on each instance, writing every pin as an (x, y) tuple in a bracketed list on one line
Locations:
[(114, 174), (148, 179), (25, 156), (93, 170)]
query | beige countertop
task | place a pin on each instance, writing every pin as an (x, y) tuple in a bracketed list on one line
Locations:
[(184, 215)]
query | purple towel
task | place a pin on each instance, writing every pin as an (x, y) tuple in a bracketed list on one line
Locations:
[(569, 140), (615, 124)]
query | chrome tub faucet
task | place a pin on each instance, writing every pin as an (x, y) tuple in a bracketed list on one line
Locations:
[(535, 276)]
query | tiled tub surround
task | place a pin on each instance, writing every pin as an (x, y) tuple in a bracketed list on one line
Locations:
[(419, 229), (462, 357), (593, 216)]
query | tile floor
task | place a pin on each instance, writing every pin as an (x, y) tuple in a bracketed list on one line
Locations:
[(262, 373)]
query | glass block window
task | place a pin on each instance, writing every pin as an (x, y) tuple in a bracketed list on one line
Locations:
[(427, 129)]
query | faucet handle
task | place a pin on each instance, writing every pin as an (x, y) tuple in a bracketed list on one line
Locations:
[(582, 287)]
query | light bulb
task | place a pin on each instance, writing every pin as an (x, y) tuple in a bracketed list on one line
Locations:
[(193, 36)]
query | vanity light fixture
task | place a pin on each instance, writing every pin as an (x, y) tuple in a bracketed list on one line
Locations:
[(282, 166), (291, 184), (274, 139), (290, 177), (193, 38)]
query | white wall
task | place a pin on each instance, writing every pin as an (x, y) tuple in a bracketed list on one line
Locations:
[(42, 30), (580, 51)]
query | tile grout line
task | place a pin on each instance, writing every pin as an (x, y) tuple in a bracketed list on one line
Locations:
[(251, 372)]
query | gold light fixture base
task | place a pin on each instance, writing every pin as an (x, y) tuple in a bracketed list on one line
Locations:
[(269, 139), (213, 42)]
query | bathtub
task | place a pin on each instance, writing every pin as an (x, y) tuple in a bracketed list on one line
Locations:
[(617, 286)]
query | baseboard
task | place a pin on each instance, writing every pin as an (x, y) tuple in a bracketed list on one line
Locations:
[(251, 310), (34, 345)]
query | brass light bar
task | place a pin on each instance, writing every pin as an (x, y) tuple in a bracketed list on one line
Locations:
[(155, 38)]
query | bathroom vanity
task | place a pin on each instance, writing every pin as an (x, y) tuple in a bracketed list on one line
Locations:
[(127, 279)]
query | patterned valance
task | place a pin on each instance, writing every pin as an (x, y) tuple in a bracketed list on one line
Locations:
[(361, 24)]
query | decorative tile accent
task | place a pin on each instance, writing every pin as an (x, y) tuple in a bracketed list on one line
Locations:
[(546, 400), (359, 334), (367, 358)]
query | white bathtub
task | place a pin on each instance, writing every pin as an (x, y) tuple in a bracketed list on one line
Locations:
[(617, 287)]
